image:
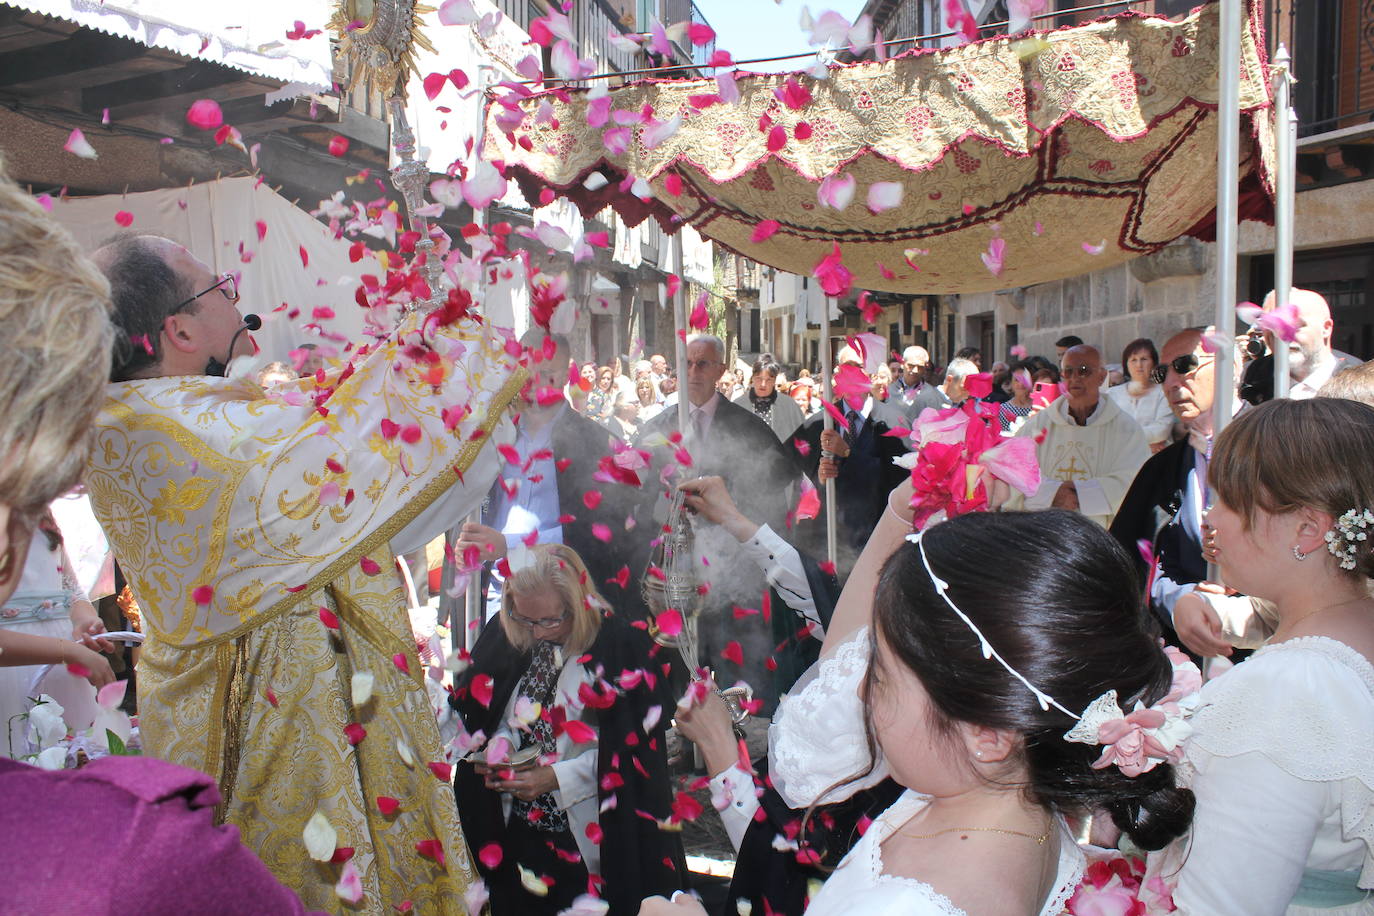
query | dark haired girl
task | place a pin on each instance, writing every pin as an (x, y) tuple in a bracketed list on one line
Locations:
[(986, 693)]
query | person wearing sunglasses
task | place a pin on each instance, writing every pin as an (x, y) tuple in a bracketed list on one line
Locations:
[(255, 529), (557, 705), (1089, 448), (1172, 486)]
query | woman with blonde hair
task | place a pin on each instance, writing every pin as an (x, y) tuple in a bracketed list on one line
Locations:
[(1282, 755), (54, 362), (564, 706), (601, 399)]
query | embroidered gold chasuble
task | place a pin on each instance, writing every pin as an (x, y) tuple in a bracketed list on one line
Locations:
[(237, 517)]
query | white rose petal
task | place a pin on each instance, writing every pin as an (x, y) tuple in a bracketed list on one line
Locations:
[(321, 839), (362, 687), (54, 758)]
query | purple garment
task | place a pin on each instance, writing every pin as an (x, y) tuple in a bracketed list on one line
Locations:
[(125, 835)]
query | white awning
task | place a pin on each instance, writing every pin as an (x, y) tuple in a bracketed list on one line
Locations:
[(248, 35)]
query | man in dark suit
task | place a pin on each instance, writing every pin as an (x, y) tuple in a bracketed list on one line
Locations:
[(1165, 505), (553, 495), (725, 440), (863, 469)]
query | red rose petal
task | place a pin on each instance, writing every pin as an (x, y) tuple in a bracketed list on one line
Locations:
[(431, 849), (579, 732), (369, 566), (329, 618), (205, 114), (482, 689), (354, 733), (733, 653), (764, 230), (490, 855), (387, 805)]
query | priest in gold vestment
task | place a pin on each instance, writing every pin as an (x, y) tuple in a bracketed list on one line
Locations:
[(255, 532)]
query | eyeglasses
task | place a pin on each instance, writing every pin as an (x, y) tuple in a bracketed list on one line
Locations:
[(226, 285), (1080, 371), (1183, 365), (702, 364), (550, 623)]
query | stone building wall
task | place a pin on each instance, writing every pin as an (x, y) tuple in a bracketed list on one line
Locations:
[(1150, 297), (1158, 294)]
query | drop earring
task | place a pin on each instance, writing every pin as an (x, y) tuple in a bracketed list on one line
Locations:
[(1298, 554)]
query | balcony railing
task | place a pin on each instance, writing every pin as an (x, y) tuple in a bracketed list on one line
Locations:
[(1332, 43)]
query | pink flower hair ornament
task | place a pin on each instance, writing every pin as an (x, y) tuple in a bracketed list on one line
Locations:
[(1138, 741)]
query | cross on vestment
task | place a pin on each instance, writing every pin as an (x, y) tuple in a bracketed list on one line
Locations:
[(1071, 471)]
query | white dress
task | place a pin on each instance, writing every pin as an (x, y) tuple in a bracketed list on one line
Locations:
[(1282, 763), (1150, 409), (40, 606), (816, 740)]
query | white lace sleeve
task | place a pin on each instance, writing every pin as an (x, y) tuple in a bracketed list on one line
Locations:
[(1282, 763), (817, 738)]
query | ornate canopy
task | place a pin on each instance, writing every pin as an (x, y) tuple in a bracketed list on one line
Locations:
[(1020, 159)]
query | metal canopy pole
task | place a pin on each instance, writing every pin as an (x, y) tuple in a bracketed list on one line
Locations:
[(680, 350), (1227, 213), (1228, 168), (1285, 147), (828, 423)]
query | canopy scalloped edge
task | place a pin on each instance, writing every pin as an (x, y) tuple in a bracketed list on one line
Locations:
[(1098, 140)]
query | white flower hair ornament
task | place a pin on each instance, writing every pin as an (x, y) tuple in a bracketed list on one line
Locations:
[(1135, 742), (1351, 529)]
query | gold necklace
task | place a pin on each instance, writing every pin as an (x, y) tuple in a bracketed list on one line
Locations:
[(1039, 840)]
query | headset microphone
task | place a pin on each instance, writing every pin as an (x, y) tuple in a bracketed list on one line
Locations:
[(218, 369)]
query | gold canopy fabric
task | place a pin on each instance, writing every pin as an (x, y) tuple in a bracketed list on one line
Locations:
[(1079, 148)]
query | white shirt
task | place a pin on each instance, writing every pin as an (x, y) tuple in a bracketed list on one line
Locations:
[(1282, 764), (707, 412), (816, 740), (1319, 376), (1150, 409)]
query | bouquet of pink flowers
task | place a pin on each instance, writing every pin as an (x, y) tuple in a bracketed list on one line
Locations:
[(955, 453)]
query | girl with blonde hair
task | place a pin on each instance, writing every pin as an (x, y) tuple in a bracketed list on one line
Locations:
[(54, 362)]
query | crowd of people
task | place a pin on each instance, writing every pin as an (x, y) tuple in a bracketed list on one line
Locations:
[(997, 711)]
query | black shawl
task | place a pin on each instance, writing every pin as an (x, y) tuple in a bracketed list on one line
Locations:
[(638, 859)]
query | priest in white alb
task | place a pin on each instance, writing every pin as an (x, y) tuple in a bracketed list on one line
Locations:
[(1089, 449), (256, 531)]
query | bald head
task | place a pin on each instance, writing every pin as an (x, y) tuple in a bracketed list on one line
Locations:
[(1311, 346), (915, 365), (1081, 367), (1191, 393)]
